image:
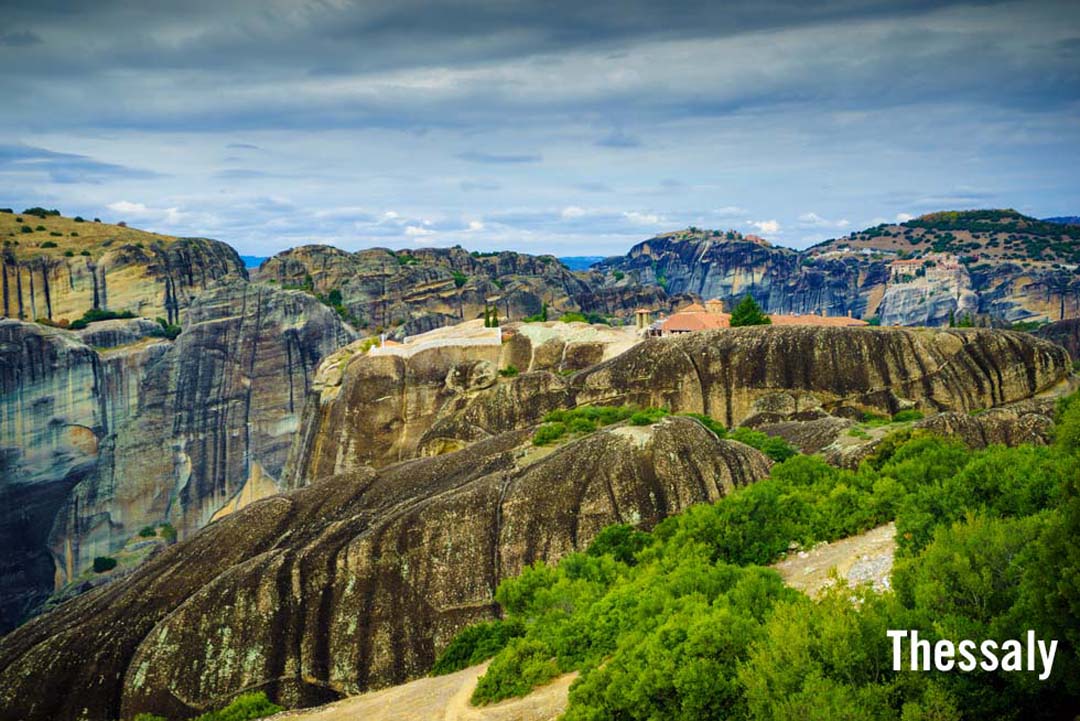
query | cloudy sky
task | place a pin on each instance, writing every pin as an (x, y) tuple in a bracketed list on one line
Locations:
[(571, 127)]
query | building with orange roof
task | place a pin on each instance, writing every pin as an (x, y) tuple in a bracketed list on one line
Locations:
[(693, 308)]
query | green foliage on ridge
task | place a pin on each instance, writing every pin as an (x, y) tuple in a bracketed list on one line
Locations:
[(683, 623)]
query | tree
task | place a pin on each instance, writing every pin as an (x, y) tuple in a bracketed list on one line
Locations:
[(748, 312)]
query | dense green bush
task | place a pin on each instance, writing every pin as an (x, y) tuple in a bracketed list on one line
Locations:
[(476, 644), (147, 532), (96, 314), (906, 416), (509, 371), (103, 564), (647, 417), (774, 447), (246, 707)]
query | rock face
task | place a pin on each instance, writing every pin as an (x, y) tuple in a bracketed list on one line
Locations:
[(414, 291), (354, 582), (156, 280), (110, 429), (993, 265), (742, 376), (1065, 333), (377, 409)]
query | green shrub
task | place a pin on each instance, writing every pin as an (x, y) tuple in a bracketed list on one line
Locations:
[(548, 433), (96, 314), (619, 275), (103, 564), (648, 416), (621, 541), (56, 234), (774, 447), (166, 330), (168, 532), (69, 254), (78, 219), (147, 532), (48, 244), (40, 228), (712, 424), (476, 644), (84, 253), (509, 371), (26, 229), (459, 278), (246, 706), (522, 666), (907, 415), (41, 212)]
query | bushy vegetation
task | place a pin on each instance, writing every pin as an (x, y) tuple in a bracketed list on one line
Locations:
[(509, 371), (246, 706), (574, 421), (96, 314), (748, 312), (104, 563), (166, 330), (475, 644), (774, 447), (683, 622)]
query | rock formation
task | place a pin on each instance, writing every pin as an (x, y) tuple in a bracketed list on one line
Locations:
[(410, 292), (384, 410), (111, 428), (156, 280), (354, 582), (1065, 333), (938, 268)]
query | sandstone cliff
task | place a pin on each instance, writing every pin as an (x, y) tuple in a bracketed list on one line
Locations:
[(384, 411), (355, 582), (156, 281), (110, 429)]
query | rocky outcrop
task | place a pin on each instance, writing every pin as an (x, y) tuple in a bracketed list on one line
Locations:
[(355, 582), (377, 408), (743, 376), (113, 428), (157, 279), (729, 266), (1065, 333), (992, 265), (415, 291)]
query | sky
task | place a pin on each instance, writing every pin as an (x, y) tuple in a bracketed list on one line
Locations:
[(566, 127)]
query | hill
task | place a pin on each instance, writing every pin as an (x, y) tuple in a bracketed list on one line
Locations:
[(975, 235), (57, 268)]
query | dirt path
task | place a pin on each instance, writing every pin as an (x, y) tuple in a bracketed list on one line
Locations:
[(866, 558), (444, 698)]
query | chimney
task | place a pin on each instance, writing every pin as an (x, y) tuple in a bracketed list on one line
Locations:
[(849, 313), (822, 312)]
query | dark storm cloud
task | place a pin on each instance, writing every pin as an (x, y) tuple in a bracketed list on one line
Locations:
[(66, 168), (530, 123)]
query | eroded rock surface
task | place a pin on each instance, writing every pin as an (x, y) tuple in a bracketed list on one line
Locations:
[(112, 428), (355, 582), (739, 376)]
